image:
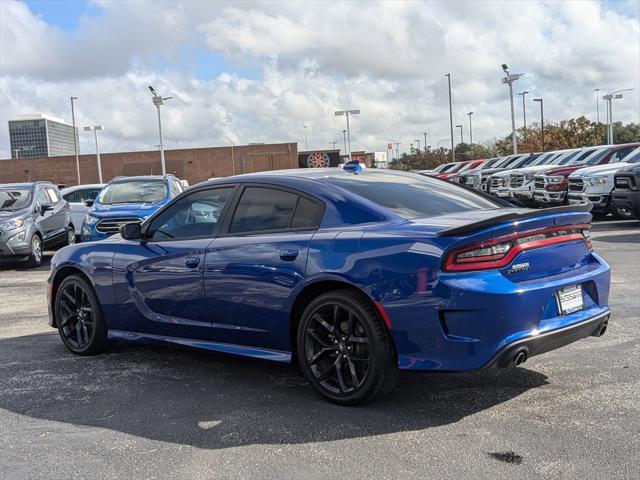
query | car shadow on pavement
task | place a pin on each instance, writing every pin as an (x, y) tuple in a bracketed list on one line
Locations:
[(214, 401)]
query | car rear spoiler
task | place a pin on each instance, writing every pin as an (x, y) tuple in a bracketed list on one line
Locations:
[(505, 217)]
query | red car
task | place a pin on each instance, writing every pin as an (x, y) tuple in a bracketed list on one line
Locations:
[(462, 166), (550, 186)]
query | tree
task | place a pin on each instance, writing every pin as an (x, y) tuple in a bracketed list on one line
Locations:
[(629, 133)]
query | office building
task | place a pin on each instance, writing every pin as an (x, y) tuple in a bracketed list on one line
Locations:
[(39, 135)]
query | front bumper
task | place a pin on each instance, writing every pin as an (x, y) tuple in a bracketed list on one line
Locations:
[(627, 201), (551, 340), (501, 192), (542, 197), (599, 201), (11, 249)]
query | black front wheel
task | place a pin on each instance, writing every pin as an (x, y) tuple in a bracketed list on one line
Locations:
[(345, 349), (80, 322)]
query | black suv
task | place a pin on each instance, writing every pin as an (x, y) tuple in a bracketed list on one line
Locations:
[(626, 190), (33, 216)]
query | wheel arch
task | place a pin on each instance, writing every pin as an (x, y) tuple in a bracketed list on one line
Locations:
[(311, 291), (57, 279)]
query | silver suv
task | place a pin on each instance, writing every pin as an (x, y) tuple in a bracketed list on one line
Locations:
[(33, 216)]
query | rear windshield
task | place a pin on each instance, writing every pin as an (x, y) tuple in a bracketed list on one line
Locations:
[(14, 199), (412, 196), (148, 191)]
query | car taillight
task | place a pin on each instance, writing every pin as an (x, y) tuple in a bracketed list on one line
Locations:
[(499, 252)]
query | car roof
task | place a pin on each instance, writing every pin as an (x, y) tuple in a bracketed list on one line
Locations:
[(26, 184), (82, 187), (140, 178)]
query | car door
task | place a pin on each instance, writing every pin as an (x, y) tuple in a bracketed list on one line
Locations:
[(253, 267), (59, 216), (158, 279), (45, 219)]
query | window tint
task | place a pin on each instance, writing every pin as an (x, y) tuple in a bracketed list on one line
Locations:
[(263, 209), (412, 196), (83, 195), (71, 197), (620, 154), (136, 191), (195, 215), (308, 214)]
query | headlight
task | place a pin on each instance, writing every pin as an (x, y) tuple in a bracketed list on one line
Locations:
[(555, 179), (12, 224), (91, 220), (18, 238), (602, 180)]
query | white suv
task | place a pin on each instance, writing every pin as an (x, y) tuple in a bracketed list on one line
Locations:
[(594, 184)]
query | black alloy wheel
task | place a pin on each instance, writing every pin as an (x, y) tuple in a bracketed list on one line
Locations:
[(78, 317), (345, 349)]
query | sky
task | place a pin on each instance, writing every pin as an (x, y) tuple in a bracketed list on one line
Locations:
[(253, 71)]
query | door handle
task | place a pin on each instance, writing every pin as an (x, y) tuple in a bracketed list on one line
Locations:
[(288, 255), (192, 262)]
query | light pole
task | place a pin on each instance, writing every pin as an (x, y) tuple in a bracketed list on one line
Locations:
[(524, 114), (306, 140), (609, 98), (397, 150), (344, 139), (425, 141), (470, 130), (95, 129), (541, 120), (75, 139), (461, 137), (346, 113), (453, 150), (597, 104), (158, 101), (509, 79)]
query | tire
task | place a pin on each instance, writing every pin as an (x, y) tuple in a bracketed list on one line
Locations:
[(79, 318), (35, 258), (71, 236), (345, 349)]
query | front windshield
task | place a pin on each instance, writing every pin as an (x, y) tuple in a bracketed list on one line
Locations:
[(14, 199), (543, 159), (412, 196), (564, 158), (489, 163), (596, 156), (578, 159), (146, 191)]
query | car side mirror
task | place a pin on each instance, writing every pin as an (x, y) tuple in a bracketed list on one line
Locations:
[(88, 202), (45, 208), (131, 231)]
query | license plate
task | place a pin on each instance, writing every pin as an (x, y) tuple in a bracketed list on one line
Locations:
[(570, 299)]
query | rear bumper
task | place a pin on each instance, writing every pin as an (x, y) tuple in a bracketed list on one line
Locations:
[(551, 340)]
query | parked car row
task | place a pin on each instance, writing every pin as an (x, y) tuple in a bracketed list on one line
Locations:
[(557, 178), (38, 215)]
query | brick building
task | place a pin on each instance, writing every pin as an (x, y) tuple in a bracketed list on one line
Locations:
[(192, 164)]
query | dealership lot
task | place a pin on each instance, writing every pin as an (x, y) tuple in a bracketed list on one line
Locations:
[(159, 412)]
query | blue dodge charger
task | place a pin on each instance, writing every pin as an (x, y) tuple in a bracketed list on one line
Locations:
[(353, 275)]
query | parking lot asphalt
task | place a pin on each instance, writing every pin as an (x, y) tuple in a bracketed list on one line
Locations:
[(149, 412)]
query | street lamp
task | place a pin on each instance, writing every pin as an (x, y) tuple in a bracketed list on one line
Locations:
[(609, 98), (306, 140), (425, 141), (75, 139), (344, 139), (158, 101), (453, 150), (597, 104), (460, 127), (524, 113), (509, 79), (95, 130), (541, 120), (470, 131), (346, 113)]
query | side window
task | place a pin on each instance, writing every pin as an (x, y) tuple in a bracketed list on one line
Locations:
[(195, 215), (71, 197), (263, 209), (53, 195), (42, 198), (620, 154), (308, 214), (83, 195)]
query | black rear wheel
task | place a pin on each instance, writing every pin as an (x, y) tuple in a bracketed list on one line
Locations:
[(345, 349), (79, 318)]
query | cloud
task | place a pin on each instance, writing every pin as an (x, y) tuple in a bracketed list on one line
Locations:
[(386, 58)]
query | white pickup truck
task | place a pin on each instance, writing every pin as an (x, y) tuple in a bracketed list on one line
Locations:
[(594, 184)]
